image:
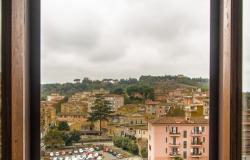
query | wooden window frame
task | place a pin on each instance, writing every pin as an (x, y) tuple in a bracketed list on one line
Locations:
[(21, 79)]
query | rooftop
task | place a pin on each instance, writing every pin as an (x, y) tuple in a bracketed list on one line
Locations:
[(179, 120)]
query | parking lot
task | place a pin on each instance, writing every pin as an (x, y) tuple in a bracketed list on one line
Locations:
[(92, 153)]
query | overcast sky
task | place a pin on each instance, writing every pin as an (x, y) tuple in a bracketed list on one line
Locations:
[(124, 38), (246, 45)]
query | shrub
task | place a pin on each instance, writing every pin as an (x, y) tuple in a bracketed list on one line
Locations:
[(133, 148), (144, 152), (126, 144)]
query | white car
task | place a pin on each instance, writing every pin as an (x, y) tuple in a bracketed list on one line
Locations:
[(75, 151), (51, 154), (66, 158), (55, 158), (84, 155), (81, 150), (74, 158), (96, 154), (57, 154), (60, 158), (99, 158), (90, 156), (91, 149)]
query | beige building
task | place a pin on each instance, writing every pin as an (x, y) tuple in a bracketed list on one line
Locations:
[(116, 101), (54, 97), (76, 105), (48, 115)]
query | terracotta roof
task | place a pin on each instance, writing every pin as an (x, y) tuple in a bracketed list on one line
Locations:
[(152, 102), (179, 120)]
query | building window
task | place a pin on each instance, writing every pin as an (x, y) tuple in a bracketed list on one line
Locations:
[(185, 134), (204, 139), (185, 154), (203, 129), (174, 140), (184, 144), (166, 140), (166, 150), (203, 150), (174, 129), (166, 129)]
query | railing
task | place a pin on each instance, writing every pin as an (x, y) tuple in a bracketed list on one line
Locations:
[(174, 144), (174, 133), (174, 154), (196, 133), (196, 154), (196, 143)]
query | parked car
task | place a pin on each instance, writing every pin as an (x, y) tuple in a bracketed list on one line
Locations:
[(75, 151), (60, 158), (119, 155), (97, 148), (81, 150), (66, 158), (54, 158), (114, 153), (51, 154), (63, 153), (91, 149)]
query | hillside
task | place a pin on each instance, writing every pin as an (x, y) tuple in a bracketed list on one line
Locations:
[(121, 86)]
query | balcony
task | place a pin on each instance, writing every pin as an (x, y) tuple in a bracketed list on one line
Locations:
[(174, 134), (195, 144), (196, 155), (174, 154), (174, 144), (196, 134)]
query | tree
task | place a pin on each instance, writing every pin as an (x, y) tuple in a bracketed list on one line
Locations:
[(71, 137), (54, 138), (63, 126), (133, 148), (75, 136), (177, 112), (100, 111), (125, 143), (67, 139), (144, 152), (118, 91), (118, 141)]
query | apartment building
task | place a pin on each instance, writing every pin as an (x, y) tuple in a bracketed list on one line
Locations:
[(156, 108), (48, 116), (54, 97), (116, 101), (171, 137)]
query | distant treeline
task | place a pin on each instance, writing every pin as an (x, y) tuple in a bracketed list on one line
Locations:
[(144, 83)]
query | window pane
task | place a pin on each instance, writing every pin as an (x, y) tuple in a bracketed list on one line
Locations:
[(125, 79), (246, 84)]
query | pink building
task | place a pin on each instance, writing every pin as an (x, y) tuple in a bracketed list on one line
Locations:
[(171, 137)]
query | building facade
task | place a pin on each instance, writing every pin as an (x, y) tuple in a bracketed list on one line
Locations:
[(171, 137)]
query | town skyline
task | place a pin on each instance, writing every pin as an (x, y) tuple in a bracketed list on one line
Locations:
[(122, 78)]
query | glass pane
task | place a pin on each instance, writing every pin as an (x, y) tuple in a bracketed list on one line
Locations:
[(125, 79), (246, 84)]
